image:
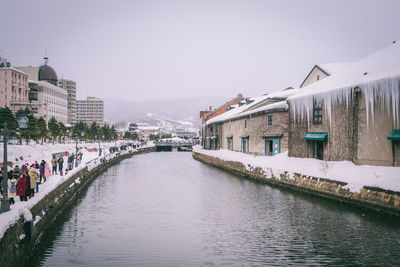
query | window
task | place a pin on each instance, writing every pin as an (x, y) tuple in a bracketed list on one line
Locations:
[(317, 112), (270, 120), (245, 124), (318, 77)]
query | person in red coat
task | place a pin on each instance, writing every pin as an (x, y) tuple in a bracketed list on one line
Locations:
[(22, 186)]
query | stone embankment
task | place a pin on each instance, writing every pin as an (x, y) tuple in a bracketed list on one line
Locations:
[(21, 239), (376, 199)]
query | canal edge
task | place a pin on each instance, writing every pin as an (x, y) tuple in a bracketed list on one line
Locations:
[(22, 238), (380, 201)]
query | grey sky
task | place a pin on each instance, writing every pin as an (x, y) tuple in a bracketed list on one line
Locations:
[(137, 50)]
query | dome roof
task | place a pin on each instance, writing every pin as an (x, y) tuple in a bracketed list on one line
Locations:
[(47, 73)]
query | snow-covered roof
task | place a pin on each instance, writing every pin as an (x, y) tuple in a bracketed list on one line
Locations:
[(376, 75), (244, 109), (227, 115), (276, 105), (331, 68), (149, 128)]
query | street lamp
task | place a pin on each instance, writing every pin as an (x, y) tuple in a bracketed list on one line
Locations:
[(22, 121), (99, 145)]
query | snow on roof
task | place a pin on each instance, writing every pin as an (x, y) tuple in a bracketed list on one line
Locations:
[(149, 128), (284, 93), (332, 68), (377, 76), (227, 115), (243, 110), (276, 105)]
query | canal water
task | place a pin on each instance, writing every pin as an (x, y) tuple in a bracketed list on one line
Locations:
[(166, 209)]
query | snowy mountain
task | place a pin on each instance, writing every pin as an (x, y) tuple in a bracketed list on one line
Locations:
[(170, 111)]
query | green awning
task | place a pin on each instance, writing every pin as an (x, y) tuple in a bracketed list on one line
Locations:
[(316, 136), (394, 135)]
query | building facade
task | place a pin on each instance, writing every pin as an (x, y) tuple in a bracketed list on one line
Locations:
[(70, 87), (258, 127), (207, 115), (90, 110), (14, 89), (352, 115), (54, 102)]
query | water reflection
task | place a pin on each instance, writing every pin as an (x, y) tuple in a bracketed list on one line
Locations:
[(165, 209)]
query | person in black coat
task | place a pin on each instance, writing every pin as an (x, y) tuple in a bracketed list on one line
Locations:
[(60, 162)]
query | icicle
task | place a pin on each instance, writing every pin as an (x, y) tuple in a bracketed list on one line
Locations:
[(386, 91)]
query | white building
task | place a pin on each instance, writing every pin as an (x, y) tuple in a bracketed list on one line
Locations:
[(54, 102), (89, 110)]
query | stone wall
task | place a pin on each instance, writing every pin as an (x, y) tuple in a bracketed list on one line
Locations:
[(14, 251), (373, 146), (375, 199), (256, 127), (350, 136)]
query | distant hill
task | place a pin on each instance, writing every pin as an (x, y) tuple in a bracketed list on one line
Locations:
[(186, 109)]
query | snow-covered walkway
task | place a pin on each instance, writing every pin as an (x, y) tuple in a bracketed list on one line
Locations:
[(34, 152), (356, 177)]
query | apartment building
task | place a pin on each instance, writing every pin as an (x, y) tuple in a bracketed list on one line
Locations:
[(14, 90), (89, 110), (70, 87)]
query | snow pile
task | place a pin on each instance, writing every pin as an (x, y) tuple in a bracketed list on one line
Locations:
[(376, 76), (37, 219), (356, 177)]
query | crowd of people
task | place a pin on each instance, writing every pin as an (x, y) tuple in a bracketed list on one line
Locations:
[(24, 181)]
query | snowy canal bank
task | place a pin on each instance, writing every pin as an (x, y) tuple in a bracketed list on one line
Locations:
[(22, 228), (371, 187)]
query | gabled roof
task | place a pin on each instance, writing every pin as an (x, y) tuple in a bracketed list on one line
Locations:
[(377, 76), (327, 69), (381, 64)]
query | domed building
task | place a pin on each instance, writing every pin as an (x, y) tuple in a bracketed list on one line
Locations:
[(48, 74)]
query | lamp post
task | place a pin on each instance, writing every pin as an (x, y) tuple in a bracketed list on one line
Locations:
[(76, 147), (22, 121)]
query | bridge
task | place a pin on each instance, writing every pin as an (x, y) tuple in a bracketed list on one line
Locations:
[(174, 144)]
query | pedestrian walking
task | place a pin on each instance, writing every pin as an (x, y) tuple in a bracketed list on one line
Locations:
[(34, 180), (60, 165), (12, 188), (47, 171), (54, 165), (70, 159), (42, 177), (22, 187)]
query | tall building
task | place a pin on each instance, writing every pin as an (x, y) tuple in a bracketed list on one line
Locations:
[(52, 100), (14, 90), (89, 110), (70, 86)]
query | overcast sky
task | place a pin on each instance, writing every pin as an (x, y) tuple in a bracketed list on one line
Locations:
[(138, 50)]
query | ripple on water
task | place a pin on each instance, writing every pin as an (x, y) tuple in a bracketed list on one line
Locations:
[(165, 209)]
